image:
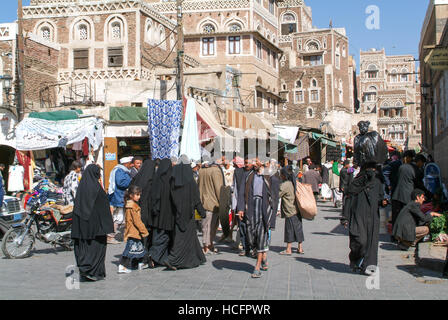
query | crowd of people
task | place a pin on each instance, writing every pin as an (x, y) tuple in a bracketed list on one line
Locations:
[(160, 207)]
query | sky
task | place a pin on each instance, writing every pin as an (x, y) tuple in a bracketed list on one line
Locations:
[(400, 22)]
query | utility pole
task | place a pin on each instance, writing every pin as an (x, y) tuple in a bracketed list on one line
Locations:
[(180, 52), (20, 64)]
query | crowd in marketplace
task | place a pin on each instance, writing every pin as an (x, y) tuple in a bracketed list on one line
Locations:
[(157, 207)]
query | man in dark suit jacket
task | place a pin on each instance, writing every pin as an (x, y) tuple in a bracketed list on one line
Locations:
[(410, 177), (345, 177)]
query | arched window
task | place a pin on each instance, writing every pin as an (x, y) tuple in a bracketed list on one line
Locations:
[(161, 37), (235, 27), (372, 71), (149, 34), (116, 31), (45, 33), (341, 92), (393, 76), (298, 84), (312, 46), (289, 24), (338, 56), (314, 83), (309, 112), (82, 32), (208, 28), (404, 75)]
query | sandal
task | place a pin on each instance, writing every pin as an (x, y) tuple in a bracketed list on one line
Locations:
[(256, 274), (284, 253), (264, 265), (300, 252)]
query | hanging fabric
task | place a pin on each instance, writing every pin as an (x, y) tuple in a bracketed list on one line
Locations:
[(164, 118), (15, 179), (24, 159), (190, 139)]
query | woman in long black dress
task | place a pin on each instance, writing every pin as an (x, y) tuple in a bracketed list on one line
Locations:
[(92, 221), (162, 218), (186, 251)]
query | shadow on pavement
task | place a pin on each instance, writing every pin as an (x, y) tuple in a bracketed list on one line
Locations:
[(321, 264), (390, 247), (337, 231), (233, 265), (423, 275), (332, 218)]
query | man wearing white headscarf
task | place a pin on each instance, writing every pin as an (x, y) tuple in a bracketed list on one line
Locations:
[(119, 181)]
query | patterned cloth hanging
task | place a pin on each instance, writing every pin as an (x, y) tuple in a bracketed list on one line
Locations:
[(164, 118)]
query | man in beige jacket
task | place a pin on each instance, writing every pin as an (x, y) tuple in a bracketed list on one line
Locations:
[(211, 181)]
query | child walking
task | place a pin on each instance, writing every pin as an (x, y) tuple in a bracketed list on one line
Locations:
[(135, 231)]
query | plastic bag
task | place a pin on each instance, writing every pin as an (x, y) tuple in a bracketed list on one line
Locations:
[(325, 191), (369, 146)]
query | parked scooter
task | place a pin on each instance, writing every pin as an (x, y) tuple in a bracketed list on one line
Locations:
[(46, 222)]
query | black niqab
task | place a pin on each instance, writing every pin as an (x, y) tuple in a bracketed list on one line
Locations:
[(87, 192), (92, 217), (162, 213), (185, 195), (144, 180)]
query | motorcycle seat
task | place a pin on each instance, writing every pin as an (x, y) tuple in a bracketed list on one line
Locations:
[(67, 216)]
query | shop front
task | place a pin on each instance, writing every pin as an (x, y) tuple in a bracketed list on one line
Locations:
[(126, 134)]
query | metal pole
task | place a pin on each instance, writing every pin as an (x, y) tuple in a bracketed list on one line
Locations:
[(180, 52), (20, 63)]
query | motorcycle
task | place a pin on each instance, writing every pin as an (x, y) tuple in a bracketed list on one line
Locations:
[(46, 221)]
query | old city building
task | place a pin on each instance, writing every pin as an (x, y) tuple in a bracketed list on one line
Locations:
[(317, 73), (241, 35), (434, 83), (390, 92), (105, 47)]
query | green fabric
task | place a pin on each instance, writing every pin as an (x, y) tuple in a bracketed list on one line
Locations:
[(289, 148), (324, 140), (335, 168), (56, 115), (128, 114)]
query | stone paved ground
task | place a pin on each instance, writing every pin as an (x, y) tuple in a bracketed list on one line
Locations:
[(322, 273)]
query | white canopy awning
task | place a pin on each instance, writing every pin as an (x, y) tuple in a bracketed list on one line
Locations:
[(39, 134)]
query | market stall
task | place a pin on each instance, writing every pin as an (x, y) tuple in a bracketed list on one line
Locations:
[(53, 144)]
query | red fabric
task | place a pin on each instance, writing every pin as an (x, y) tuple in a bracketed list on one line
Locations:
[(85, 147), (24, 158)]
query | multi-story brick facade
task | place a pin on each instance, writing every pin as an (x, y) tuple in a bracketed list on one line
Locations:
[(390, 89), (241, 34), (317, 73), (106, 46), (40, 67)]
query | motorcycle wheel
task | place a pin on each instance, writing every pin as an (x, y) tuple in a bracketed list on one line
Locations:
[(10, 247)]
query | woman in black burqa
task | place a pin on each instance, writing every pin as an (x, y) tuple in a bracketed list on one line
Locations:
[(361, 216), (186, 251), (92, 221), (144, 179), (161, 219)]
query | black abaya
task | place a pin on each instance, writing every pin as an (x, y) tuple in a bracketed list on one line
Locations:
[(92, 221), (144, 180), (186, 251), (364, 196), (162, 218), (90, 256)]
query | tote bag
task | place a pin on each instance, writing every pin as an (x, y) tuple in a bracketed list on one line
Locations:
[(306, 201)]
